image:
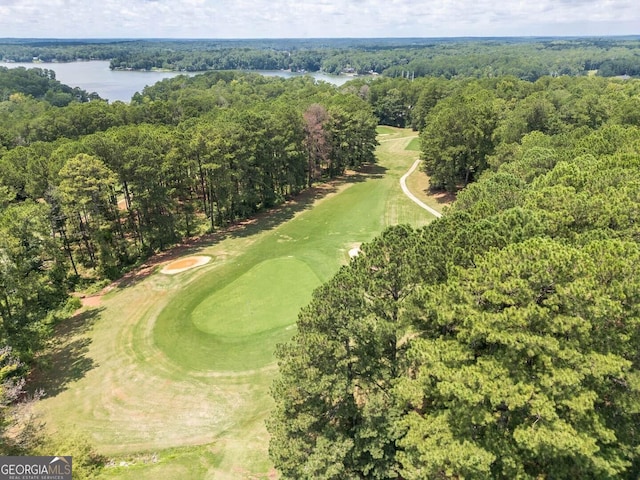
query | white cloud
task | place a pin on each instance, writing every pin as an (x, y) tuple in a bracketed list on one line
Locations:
[(315, 18)]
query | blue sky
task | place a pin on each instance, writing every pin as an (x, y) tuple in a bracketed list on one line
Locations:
[(315, 18)]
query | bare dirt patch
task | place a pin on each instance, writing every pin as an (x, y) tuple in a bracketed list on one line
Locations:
[(93, 301), (442, 197), (184, 264)]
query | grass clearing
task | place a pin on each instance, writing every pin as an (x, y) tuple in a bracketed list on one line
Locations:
[(181, 365)]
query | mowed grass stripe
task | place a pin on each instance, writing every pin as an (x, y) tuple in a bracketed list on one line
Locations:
[(414, 145)]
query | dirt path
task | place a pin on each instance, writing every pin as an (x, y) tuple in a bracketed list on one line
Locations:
[(407, 192)]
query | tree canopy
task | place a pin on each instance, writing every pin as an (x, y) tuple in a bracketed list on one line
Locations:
[(90, 189), (500, 341)]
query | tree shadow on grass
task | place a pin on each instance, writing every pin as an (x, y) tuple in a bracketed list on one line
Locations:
[(65, 360), (274, 217), (262, 221), (370, 170), (443, 197)]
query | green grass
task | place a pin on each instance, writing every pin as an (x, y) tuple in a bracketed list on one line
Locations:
[(225, 328), (414, 145), (237, 311), (182, 365), (193, 462), (382, 130)]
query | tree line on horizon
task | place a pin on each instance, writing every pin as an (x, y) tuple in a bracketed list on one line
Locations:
[(525, 58)]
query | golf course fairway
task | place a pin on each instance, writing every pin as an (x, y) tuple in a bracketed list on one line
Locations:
[(170, 375)]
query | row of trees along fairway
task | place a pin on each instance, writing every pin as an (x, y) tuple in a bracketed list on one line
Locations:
[(502, 340), (89, 190)]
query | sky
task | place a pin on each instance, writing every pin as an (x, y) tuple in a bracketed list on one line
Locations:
[(315, 18)]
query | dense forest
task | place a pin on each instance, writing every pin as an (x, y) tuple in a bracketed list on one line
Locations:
[(501, 341), (39, 83), (525, 58)]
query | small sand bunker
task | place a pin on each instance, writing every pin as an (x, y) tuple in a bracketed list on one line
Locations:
[(355, 250), (183, 264)]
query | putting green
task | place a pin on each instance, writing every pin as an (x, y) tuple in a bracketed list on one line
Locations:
[(267, 297), (223, 321)]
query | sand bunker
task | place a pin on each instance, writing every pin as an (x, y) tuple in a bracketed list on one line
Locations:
[(183, 264), (355, 250)]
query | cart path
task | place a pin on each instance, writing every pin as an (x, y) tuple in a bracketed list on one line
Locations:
[(405, 189)]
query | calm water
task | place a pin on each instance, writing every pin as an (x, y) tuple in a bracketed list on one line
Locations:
[(335, 79), (96, 77), (121, 85)]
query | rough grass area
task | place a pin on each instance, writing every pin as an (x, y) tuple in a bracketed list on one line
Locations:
[(170, 376)]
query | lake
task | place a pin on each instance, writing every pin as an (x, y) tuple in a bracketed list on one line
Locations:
[(95, 76)]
